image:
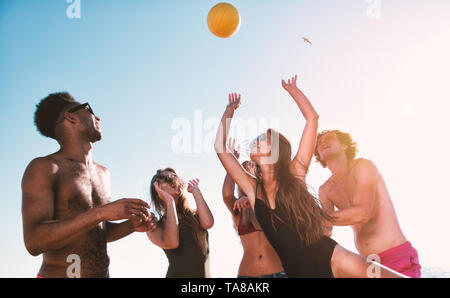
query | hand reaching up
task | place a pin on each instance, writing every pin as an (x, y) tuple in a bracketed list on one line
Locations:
[(164, 195), (193, 185), (291, 84), (234, 101), (233, 149)]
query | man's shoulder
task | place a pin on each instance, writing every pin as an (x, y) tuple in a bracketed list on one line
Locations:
[(40, 169), (101, 169), (44, 163), (364, 167), (363, 163)]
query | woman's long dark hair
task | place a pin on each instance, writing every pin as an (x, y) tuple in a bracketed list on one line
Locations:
[(170, 176), (302, 209)]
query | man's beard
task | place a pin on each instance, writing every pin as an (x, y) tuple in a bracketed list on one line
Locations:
[(92, 135), (95, 136)]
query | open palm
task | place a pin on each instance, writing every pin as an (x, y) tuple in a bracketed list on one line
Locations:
[(290, 85)]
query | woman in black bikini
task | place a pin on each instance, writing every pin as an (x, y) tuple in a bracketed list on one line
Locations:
[(181, 232), (259, 258), (289, 215)]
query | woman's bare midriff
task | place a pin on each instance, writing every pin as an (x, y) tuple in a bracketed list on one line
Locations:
[(259, 256)]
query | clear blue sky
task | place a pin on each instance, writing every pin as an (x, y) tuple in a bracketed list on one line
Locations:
[(143, 64)]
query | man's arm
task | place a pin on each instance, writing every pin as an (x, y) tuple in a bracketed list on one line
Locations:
[(42, 232), (328, 208), (363, 196), (116, 231)]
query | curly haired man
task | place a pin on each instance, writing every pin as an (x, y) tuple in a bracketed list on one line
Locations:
[(358, 192)]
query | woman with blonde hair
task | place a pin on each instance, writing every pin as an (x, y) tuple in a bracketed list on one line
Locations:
[(181, 232)]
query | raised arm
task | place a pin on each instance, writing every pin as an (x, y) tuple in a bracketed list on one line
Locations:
[(203, 211), (229, 185), (245, 181), (166, 234), (302, 159), (228, 192), (363, 197), (42, 232)]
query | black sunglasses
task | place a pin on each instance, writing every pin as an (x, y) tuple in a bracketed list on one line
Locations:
[(79, 107), (82, 106)]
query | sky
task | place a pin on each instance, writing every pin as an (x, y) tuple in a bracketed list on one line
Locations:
[(154, 73)]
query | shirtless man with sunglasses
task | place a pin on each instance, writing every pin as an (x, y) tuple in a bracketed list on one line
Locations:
[(66, 205)]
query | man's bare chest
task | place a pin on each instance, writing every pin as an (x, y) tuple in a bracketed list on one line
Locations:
[(78, 189), (341, 193)]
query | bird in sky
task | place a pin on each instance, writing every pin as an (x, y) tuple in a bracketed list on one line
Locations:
[(307, 41)]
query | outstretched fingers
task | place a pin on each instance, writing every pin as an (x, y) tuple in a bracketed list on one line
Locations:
[(291, 82), (234, 99), (194, 182)]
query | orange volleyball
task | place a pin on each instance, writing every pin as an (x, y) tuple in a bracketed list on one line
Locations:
[(224, 20)]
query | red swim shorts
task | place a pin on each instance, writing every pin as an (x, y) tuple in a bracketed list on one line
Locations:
[(403, 259)]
